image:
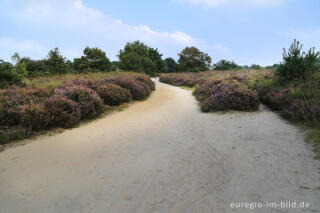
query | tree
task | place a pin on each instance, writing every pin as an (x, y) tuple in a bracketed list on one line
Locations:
[(156, 57), (138, 57), (55, 62), (32, 66), (115, 65), (225, 65), (15, 57), (246, 67), (170, 65), (191, 59), (255, 67), (10, 74), (297, 65), (94, 59)]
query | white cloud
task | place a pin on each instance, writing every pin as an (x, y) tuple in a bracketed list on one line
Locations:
[(23, 47), (73, 14), (233, 3), (72, 25)]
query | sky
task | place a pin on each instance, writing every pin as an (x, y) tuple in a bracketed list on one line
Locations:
[(245, 31)]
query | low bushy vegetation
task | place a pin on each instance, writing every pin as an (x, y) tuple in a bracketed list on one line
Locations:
[(294, 91), (10, 74), (113, 95), (220, 90), (297, 65), (191, 79), (229, 94), (44, 103)]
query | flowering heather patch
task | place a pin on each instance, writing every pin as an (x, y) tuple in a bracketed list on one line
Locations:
[(191, 79), (44, 103), (9, 111), (277, 99), (138, 90), (113, 95), (226, 95), (185, 79), (25, 95), (204, 90), (294, 102), (220, 90), (89, 101), (34, 117), (62, 111), (90, 83), (147, 80)]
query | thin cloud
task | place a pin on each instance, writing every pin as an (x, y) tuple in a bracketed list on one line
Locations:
[(23, 47), (73, 25), (75, 15), (233, 3)]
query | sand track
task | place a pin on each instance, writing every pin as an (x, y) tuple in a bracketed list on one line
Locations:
[(162, 155)]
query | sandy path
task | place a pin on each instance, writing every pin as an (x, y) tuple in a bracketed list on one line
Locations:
[(162, 155)]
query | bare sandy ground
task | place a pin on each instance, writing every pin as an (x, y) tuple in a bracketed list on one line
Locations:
[(163, 155)]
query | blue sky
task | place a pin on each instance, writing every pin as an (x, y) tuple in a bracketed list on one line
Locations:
[(246, 31)]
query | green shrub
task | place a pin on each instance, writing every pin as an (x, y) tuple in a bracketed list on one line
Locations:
[(226, 65), (33, 67), (55, 62), (297, 65), (94, 60), (10, 74)]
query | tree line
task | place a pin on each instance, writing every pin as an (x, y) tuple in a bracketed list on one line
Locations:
[(135, 56)]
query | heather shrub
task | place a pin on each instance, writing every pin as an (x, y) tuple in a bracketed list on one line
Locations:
[(230, 95), (113, 95), (34, 117), (89, 101), (9, 111), (180, 79), (13, 133), (146, 80), (302, 110), (278, 99), (62, 111), (26, 95), (41, 105), (137, 89), (92, 84), (204, 90)]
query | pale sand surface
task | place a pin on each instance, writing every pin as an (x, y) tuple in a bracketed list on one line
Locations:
[(162, 155)]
